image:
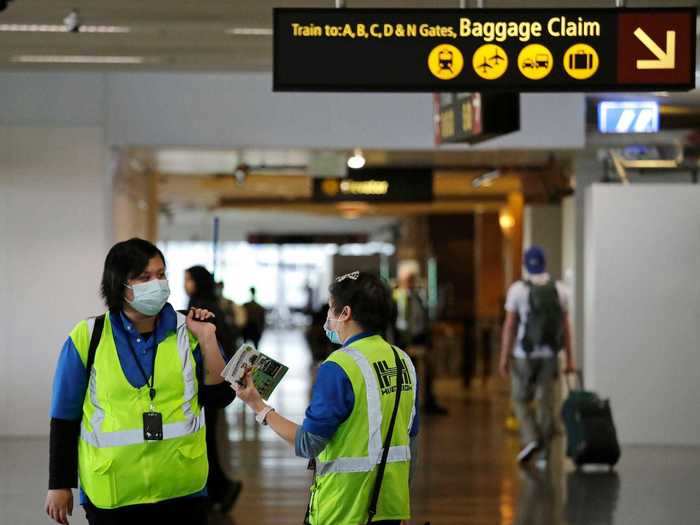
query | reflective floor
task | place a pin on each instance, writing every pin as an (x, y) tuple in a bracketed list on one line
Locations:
[(466, 473)]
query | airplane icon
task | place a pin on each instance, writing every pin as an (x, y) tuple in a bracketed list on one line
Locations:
[(496, 57), (485, 66)]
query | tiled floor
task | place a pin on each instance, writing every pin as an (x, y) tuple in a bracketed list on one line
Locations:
[(466, 474)]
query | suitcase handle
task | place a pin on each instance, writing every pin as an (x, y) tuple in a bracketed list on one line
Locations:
[(579, 377)]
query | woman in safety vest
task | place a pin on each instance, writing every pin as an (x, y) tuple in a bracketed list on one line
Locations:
[(126, 412), (351, 408)]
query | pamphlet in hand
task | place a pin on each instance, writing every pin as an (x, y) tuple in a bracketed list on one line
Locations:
[(267, 373)]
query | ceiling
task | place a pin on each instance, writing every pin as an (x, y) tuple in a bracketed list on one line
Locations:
[(189, 35), (199, 161)]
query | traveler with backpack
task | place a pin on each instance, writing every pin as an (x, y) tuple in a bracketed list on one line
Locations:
[(536, 328)]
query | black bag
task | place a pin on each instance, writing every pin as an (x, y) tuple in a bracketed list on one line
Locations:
[(544, 323), (94, 341), (590, 431)]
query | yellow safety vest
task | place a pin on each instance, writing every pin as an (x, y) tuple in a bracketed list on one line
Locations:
[(117, 466), (347, 467)]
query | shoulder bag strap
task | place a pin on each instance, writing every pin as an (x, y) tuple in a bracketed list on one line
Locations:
[(387, 441), (94, 341)]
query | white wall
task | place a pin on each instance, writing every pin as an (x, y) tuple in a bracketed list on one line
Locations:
[(642, 319), (542, 226), (237, 110), (54, 217), (568, 263)]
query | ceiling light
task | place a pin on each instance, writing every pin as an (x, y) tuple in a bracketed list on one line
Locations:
[(357, 161), (506, 221), (55, 28), (77, 59), (249, 31)]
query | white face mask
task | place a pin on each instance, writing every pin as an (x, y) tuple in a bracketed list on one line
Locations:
[(150, 298)]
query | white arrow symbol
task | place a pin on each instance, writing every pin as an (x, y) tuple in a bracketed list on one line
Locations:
[(666, 59)]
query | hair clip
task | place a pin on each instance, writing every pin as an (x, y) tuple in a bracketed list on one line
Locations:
[(352, 275)]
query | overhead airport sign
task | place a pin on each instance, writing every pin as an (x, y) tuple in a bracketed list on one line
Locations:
[(377, 185), (484, 49), (475, 117), (632, 116)]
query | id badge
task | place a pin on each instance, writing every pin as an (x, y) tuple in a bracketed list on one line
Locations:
[(152, 426)]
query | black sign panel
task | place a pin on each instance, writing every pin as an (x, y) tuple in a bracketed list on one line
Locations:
[(438, 50), (377, 185), (475, 117)]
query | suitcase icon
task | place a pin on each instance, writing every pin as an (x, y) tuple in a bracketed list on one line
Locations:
[(581, 60)]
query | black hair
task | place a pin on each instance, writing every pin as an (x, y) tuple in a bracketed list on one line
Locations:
[(369, 298), (204, 284), (126, 260)]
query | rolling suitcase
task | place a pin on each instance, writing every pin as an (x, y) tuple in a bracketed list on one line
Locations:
[(590, 431)]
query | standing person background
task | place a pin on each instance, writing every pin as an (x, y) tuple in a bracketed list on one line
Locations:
[(537, 321), (254, 319), (201, 289), (352, 402), (130, 421), (231, 313), (413, 332)]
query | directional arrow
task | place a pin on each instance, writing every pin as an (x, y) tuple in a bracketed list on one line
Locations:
[(665, 59)]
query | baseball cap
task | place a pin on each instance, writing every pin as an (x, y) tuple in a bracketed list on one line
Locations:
[(535, 260)]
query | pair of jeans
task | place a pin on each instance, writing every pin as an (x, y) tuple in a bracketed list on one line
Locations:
[(534, 379)]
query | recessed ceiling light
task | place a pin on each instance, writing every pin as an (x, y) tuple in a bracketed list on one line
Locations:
[(55, 28), (78, 59), (249, 31), (357, 161)]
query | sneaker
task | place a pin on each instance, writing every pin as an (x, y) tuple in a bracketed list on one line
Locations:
[(527, 451)]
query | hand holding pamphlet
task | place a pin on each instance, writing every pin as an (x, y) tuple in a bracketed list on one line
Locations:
[(267, 373)]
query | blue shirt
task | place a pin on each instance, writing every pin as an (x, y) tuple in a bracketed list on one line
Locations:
[(70, 382), (332, 399)]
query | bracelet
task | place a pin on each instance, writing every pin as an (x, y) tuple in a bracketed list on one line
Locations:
[(262, 415)]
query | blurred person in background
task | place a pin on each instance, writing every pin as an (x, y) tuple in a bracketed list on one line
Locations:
[(231, 313), (316, 338), (535, 329), (201, 289), (131, 426), (413, 332), (254, 320)]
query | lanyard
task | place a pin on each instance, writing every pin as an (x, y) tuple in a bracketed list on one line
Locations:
[(152, 380)]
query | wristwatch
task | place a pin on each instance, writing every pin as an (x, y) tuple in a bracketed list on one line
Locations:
[(262, 415)]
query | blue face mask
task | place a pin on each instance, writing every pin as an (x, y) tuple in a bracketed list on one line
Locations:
[(150, 298), (332, 335)]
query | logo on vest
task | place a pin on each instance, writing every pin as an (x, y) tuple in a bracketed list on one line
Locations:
[(385, 373)]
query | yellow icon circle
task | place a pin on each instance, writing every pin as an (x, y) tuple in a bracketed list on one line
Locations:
[(330, 187), (490, 61), (535, 61), (445, 61), (581, 61)]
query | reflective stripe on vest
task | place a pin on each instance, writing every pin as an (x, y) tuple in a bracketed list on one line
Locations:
[(192, 423), (374, 416)]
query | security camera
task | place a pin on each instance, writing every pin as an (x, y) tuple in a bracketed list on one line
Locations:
[(241, 172), (72, 21), (3, 4)]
